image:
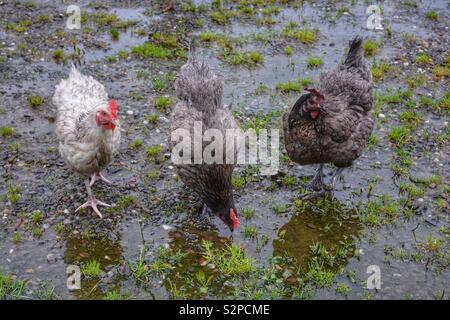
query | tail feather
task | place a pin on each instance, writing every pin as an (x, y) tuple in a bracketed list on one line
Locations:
[(192, 48), (197, 84), (355, 54)]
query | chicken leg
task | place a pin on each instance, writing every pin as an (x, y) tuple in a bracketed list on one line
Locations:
[(205, 210), (98, 176), (317, 183), (337, 174), (316, 186), (92, 202)]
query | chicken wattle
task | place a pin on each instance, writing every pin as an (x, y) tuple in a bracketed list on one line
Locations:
[(332, 122), (87, 128)]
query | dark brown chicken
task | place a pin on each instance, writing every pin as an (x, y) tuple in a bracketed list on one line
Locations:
[(332, 123), (200, 92)]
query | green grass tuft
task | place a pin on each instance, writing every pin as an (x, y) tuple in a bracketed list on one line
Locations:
[(35, 101), (6, 131), (91, 269), (230, 260), (370, 47), (294, 86), (150, 50), (314, 62)]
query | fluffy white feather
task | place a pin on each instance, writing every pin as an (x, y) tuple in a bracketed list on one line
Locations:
[(86, 147)]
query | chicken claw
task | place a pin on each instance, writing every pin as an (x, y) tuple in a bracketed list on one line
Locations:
[(317, 183), (93, 203)]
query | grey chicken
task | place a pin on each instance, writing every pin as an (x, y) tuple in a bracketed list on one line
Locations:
[(200, 92), (332, 123)]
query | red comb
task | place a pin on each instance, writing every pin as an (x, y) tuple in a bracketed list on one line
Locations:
[(234, 218), (316, 93), (113, 107)]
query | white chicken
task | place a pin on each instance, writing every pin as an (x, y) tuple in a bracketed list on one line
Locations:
[(88, 129)]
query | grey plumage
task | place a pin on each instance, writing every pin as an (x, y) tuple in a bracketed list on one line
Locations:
[(199, 91)]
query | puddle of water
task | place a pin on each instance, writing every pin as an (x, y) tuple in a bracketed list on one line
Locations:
[(108, 253), (334, 228)]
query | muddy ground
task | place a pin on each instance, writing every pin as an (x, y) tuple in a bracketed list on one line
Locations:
[(391, 210)]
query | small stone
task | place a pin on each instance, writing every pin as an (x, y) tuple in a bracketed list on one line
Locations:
[(51, 258)]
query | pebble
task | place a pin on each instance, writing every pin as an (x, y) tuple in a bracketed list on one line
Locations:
[(130, 112), (51, 258)]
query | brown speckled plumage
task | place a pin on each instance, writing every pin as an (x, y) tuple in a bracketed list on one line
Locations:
[(340, 133)]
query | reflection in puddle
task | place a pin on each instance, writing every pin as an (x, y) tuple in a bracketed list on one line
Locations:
[(323, 232), (317, 228), (108, 253), (192, 276)]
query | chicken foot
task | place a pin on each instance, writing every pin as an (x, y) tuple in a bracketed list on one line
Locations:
[(317, 183), (316, 186), (98, 176), (92, 201), (319, 186), (337, 174)]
